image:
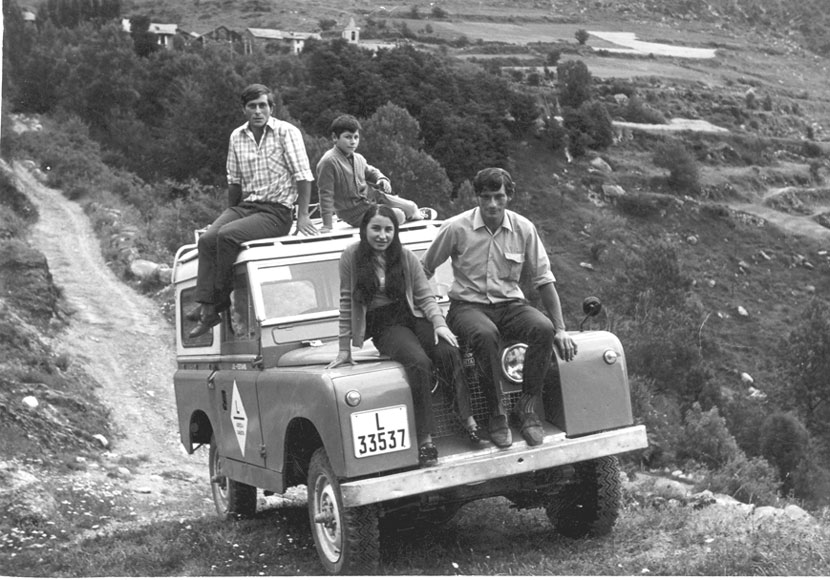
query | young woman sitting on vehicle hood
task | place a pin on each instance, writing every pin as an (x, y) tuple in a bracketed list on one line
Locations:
[(385, 296)]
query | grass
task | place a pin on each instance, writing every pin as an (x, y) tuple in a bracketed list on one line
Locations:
[(487, 538)]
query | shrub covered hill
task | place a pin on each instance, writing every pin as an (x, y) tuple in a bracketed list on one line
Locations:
[(709, 249)]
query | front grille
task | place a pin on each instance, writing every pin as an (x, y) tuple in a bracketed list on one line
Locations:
[(447, 420)]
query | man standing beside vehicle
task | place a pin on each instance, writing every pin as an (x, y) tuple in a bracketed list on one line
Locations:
[(268, 171), (489, 246)]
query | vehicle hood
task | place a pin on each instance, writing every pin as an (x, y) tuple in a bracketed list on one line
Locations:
[(326, 352)]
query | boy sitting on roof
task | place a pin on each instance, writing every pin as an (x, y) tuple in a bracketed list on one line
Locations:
[(344, 179)]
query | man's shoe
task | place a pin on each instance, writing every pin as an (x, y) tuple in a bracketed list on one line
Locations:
[(500, 432), (195, 314), (531, 429), (204, 326)]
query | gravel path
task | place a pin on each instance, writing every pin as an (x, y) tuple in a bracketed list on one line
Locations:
[(126, 345)]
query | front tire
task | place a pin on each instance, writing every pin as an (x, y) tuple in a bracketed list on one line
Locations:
[(231, 498), (347, 540), (591, 504)]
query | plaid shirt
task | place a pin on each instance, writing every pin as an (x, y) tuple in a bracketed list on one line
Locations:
[(268, 172)]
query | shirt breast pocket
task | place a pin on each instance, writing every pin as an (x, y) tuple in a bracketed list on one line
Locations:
[(512, 266)]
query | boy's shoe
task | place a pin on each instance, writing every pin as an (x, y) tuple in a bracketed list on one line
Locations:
[(427, 213)]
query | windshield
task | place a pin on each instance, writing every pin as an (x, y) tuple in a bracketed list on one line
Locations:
[(314, 288)]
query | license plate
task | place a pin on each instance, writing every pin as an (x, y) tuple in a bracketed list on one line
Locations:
[(380, 431)]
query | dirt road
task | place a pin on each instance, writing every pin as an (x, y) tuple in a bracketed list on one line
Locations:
[(127, 346)]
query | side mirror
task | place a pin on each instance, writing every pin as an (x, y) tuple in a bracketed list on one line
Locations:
[(591, 306)]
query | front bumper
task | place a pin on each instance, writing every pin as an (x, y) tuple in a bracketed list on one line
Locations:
[(478, 466)]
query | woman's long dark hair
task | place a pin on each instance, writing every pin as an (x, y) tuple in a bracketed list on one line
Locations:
[(367, 280)]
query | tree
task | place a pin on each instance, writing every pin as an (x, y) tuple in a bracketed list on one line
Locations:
[(553, 57), (326, 23), (684, 176), (807, 388), (438, 12), (392, 143), (575, 83), (588, 126), (581, 36), (144, 41), (784, 444)]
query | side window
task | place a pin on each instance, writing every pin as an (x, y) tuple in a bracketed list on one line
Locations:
[(242, 324), (188, 304)]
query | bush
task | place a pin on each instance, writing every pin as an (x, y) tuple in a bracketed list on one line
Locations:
[(747, 480), (812, 149), (661, 418), (574, 83), (784, 442), (684, 176), (642, 205), (589, 126), (553, 57), (707, 440), (638, 112)]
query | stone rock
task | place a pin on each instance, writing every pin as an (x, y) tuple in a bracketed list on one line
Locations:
[(670, 489), (794, 512), (30, 402), (692, 240), (742, 311), (613, 191), (29, 504), (102, 440), (756, 394), (600, 164), (586, 265), (747, 378)]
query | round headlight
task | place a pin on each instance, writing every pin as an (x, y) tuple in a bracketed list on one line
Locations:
[(353, 398), (610, 356), (513, 362)]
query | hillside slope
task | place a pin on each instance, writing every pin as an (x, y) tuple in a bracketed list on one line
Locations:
[(159, 519)]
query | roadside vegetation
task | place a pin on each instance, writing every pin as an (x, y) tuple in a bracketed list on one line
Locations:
[(725, 319)]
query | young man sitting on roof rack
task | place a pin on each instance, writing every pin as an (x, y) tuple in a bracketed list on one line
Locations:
[(268, 171)]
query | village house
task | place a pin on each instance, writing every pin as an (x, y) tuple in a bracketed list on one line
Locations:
[(269, 39), (221, 35), (165, 33)]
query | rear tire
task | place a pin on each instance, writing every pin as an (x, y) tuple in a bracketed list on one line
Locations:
[(231, 498), (591, 504), (347, 540)]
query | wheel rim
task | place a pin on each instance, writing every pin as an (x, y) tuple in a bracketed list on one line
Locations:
[(219, 484), (327, 522)]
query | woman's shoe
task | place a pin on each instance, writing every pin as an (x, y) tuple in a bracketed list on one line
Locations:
[(427, 454), (476, 434)]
